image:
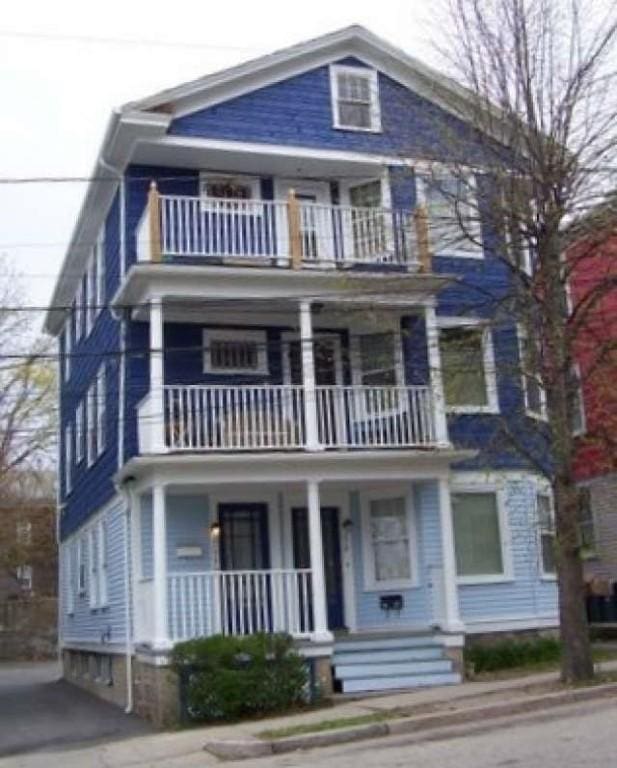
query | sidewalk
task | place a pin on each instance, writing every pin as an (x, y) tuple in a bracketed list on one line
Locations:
[(430, 707)]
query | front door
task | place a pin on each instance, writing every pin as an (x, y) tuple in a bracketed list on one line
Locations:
[(332, 558)]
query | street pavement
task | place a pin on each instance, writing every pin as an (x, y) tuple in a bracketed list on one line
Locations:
[(40, 711)]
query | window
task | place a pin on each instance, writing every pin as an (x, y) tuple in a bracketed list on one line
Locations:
[(577, 410), (355, 98), (389, 562), (23, 533), (477, 535), (24, 577), (586, 523), (68, 345), (453, 214), (534, 395), (91, 294), (101, 400), (69, 583), (81, 566), (79, 306), (546, 532), (91, 434), (99, 257), (102, 563), (468, 367), (378, 364), (68, 458), (235, 352), (79, 432), (93, 564)]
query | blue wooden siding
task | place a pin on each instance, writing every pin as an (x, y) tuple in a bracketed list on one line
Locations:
[(527, 594), (88, 625)]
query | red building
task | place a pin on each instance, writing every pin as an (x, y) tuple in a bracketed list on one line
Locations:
[(592, 257)]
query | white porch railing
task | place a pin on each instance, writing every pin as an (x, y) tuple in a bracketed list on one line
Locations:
[(272, 417), (193, 227), (239, 603)]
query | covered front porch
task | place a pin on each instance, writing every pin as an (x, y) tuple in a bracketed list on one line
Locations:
[(315, 559)]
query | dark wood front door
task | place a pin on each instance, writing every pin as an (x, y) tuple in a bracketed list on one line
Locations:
[(332, 558)]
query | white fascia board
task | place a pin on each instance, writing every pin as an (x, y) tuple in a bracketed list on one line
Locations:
[(122, 133)]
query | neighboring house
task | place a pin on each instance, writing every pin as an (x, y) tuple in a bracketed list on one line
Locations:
[(28, 560), (593, 257), (265, 422)]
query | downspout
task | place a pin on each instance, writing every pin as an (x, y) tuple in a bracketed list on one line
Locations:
[(127, 491), (59, 509)]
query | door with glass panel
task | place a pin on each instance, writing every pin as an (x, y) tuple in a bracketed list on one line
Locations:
[(366, 226), (316, 231)]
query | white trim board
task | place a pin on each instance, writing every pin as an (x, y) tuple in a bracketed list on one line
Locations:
[(510, 623)]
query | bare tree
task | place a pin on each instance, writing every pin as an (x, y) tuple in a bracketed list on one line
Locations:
[(538, 96)]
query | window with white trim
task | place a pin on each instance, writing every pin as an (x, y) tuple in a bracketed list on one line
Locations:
[(468, 367), (69, 585), (355, 98), (236, 351), (546, 533), (91, 436), (91, 294), (453, 214), (80, 432), (68, 458), (101, 400), (102, 564), (93, 565), (99, 259), (68, 345), (79, 307), (577, 411), (24, 577), (534, 395), (389, 538), (81, 566), (477, 535)]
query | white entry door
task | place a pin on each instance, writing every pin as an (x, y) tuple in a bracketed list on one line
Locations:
[(316, 230)]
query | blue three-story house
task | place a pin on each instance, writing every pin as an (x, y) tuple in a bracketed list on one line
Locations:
[(266, 425)]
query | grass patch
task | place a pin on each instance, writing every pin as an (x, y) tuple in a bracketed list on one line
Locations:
[(325, 725), (513, 654)]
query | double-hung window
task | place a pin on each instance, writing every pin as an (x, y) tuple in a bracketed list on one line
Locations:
[(454, 219), (378, 369), (575, 394), (101, 408), (468, 366), (389, 539), (91, 434), (68, 345), (478, 536), (79, 311), (355, 98), (91, 294), (530, 359), (68, 458), (80, 432), (546, 533), (99, 265)]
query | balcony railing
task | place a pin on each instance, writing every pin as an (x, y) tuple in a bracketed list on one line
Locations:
[(287, 233), (273, 417), (240, 603)]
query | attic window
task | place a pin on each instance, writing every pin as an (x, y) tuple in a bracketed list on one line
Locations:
[(355, 98)]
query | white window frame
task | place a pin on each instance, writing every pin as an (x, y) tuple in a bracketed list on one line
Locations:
[(24, 575), (523, 338), (90, 295), (68, 345), (69, 583), (473, 251), (101, 392), (103, 585), (375, 104), (505, 537), (488, 355), (80, 431), (93, 568), (371, 584), (82, 576), (100, 271), (68, 459), (236, 335), (544, 489), (91, 431), (79, 309), (576, 369)]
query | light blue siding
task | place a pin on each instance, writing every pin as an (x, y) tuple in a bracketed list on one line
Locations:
[(188, 525), (145, 521), (88, 625), (527, 594)]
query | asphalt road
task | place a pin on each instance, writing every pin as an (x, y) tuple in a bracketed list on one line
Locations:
[(40, 711)]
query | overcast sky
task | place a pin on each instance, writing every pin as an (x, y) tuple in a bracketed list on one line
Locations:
[(61, 72)]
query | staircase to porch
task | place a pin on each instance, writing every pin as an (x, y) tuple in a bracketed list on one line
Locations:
[(391, 663)]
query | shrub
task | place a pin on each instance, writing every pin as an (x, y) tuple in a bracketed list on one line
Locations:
[(508, 654), (229, 678)]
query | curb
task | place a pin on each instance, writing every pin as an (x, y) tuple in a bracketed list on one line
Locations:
[(241, 750)]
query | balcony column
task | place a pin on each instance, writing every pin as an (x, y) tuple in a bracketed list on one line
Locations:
[(451, 617), (436, 381), (159, 562), (308, 375), (157, 406), (318, 578)]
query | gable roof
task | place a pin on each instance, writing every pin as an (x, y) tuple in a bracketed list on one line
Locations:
[(149, 118)]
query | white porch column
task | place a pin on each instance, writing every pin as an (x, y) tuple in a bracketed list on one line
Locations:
[(451, 618), (157, 408), (434, 363), (318, 579), (308, 375), (159, 558)]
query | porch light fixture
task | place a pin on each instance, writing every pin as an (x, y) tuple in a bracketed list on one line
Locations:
[(347, 524), (215, 530)]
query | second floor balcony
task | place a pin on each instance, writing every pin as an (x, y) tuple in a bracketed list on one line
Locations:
[(294, 233)]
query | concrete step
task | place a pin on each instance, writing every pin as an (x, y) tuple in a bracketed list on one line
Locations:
[(387, 655), (359, 685), (403, 669), (379, 644)]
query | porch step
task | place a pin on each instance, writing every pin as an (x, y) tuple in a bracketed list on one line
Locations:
[(391, 663)]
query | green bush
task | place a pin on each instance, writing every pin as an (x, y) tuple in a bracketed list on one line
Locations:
[(509, 654), (230, 678)]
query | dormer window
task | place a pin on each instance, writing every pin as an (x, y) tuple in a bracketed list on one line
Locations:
[(355, 98)]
